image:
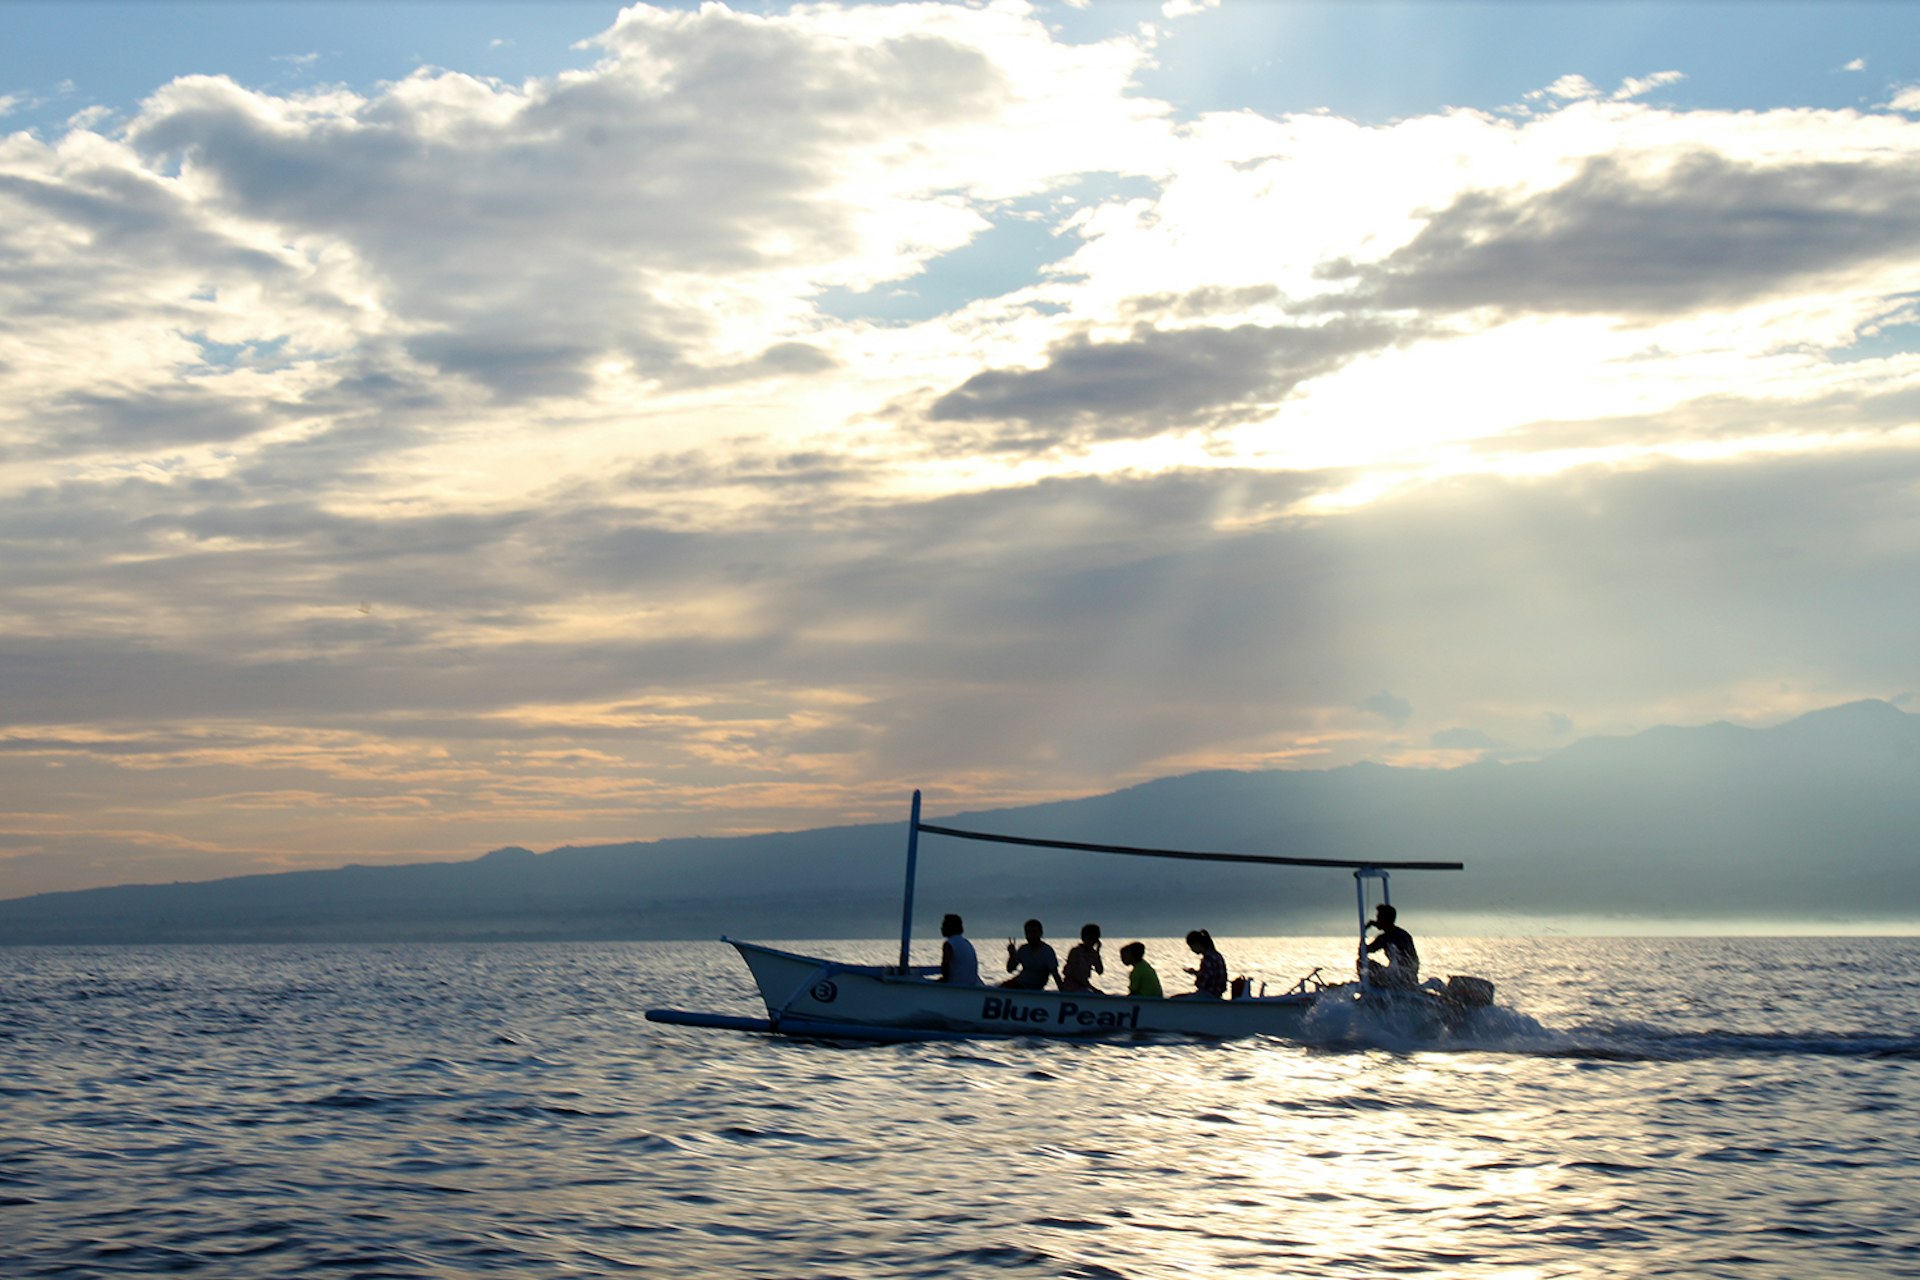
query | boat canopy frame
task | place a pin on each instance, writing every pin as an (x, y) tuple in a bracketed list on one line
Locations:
[(1364, 869)]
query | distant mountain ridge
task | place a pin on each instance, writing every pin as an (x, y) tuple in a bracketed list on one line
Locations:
[(1813, 818)]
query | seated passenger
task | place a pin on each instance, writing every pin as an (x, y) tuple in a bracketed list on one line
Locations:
[(1210, 979), (1403, 962), (1083, 961), (1142, 982), (1033, 963), (958, 963)]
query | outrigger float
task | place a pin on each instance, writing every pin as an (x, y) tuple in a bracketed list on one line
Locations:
[(811, 997)]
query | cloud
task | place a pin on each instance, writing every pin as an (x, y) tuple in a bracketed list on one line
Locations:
[(156, 419), (999, 641), (1577, 88), (1639, 86), (1461, 738), (1702, 231), (668, 210), (1390, 707), (1155, 381)]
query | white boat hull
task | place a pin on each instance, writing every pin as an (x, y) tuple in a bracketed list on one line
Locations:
[(806, 995)]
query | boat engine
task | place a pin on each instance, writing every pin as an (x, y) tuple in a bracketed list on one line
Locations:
[(1469, 993)]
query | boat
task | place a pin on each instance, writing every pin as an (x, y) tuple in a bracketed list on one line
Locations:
[(816, 998)]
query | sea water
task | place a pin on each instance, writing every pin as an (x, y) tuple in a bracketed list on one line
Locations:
[(1740, 1108)]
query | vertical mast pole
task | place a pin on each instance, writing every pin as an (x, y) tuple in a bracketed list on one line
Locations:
[(913, 856), (1360, 877), (1360, 907)]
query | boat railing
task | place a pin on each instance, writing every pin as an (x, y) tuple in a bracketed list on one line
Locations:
[(1312, 983)]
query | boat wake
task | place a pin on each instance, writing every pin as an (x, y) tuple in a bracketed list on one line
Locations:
[(1355, 1024), (1638, 1042), (1409, 1027), (1494, 1029)]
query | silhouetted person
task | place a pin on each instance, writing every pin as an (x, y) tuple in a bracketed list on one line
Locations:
[(1210, 978), (1143, 983), (1083, 961), (1033, 963), (1403, 962), (958, 963)]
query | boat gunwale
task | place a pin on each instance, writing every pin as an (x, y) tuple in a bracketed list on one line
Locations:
[(889, 975)]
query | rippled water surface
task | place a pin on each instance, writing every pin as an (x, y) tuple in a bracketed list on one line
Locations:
[(1634, 1108)]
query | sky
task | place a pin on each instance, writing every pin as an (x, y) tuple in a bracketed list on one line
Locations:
[(426, 428)]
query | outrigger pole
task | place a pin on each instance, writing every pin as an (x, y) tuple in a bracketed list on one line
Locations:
[(1191, 854), (1363, 869)]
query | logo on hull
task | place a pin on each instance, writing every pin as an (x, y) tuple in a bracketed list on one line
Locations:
[(1066, 1013)]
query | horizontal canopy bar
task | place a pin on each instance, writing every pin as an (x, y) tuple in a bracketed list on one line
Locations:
[(1186, 853)]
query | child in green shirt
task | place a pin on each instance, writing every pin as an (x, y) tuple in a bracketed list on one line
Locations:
[(1142, 981)]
